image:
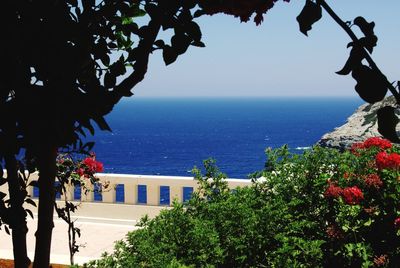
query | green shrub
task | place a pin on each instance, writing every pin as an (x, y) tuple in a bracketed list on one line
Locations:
[(319, 209)]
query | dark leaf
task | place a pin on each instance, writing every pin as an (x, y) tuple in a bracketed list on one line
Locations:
[(152, 10), (88, 146), (366, 27), (311, 13), (73, 3), (2, 195), (193, 30), (105, 59), (101, 122), (189, 4), (198, 44), (30, 201), (371, 85), (86, 123), (354, 60), (78, 232), (169, 55), (3, 181), (180, 43), (136, 12), (29, 212), (387, 121), (34, 184), (199, 13), (7, 230), (159, 43)]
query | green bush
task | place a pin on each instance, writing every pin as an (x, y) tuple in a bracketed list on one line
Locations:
[(319, 209)]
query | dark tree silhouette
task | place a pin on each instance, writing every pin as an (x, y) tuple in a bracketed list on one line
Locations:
[(67, 63)]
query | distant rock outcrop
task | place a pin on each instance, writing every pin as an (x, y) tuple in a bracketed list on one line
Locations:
[(359, 126)]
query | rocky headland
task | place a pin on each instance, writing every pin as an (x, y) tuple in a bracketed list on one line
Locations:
[(362, 124)]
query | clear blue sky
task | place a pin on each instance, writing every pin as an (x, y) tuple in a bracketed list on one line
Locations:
[(275, 59)]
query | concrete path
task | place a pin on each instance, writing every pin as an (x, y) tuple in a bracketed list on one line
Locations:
[(98, 234)]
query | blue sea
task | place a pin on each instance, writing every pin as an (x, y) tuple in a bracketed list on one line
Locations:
[(166, 136)]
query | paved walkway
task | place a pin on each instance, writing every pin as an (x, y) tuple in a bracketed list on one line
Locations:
[(97, 236)]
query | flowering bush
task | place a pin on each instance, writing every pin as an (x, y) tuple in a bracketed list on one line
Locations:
[(320, 209), (75, 173), (81, 172), (365, 206)]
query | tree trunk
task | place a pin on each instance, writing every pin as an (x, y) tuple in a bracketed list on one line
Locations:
[(47, 173), (17, 219)]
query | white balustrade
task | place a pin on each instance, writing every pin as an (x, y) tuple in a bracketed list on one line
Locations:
[(131, 184)]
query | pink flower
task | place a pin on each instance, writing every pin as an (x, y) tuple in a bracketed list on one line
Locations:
[(352, 195)]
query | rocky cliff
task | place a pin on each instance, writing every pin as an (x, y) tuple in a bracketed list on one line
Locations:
[(359, 126)]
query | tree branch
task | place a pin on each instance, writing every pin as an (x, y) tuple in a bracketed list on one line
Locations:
[(370, 61), (145, 48)]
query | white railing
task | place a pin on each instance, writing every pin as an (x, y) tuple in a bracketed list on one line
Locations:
[(139, 189)]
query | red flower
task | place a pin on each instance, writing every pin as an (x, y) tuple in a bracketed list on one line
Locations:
[(356, 147), (99, 167), (352, 195), (377, 142), (333, 191), (370, 142), (381, 261), (373, 180), (387, 161), (80, 171), (93, 165), (397, 223)]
